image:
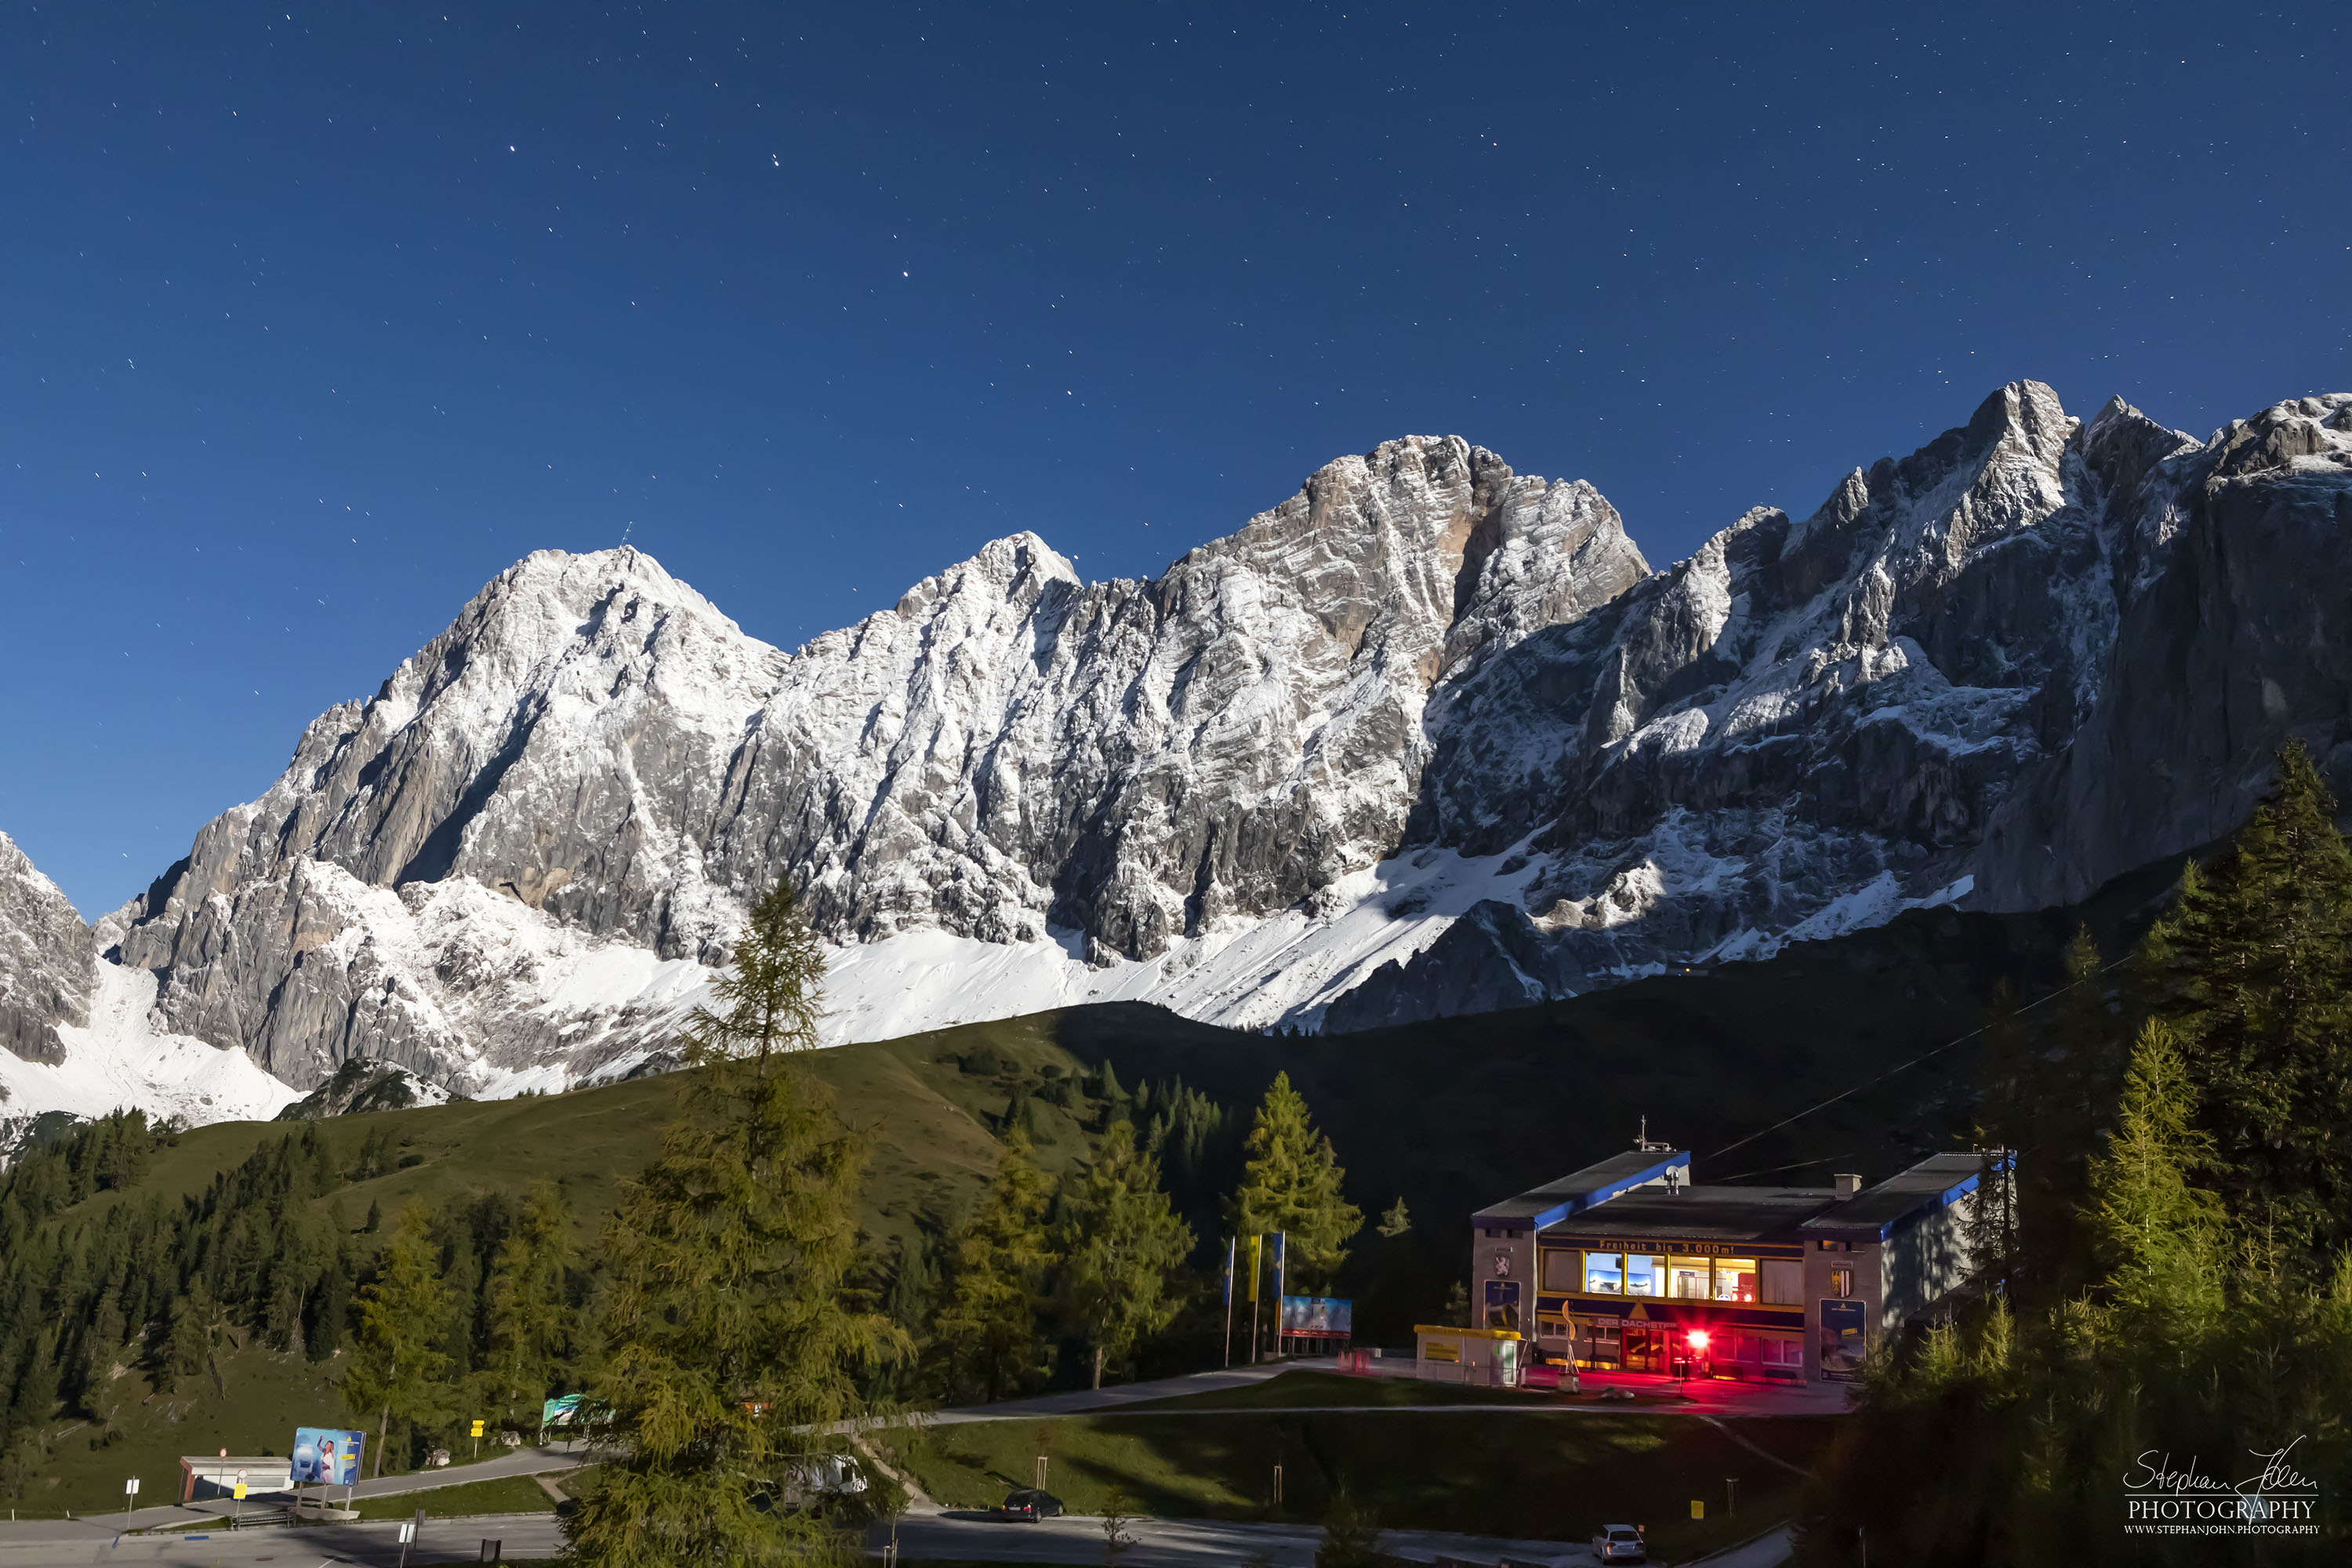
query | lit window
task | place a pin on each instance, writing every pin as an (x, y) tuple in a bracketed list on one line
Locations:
[(1735, 1280), (1645, 1273), (1604, 1273), (1687, 1279)]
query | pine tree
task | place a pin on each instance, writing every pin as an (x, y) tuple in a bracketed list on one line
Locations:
[(1292, 1183), (728, 1346), (1121, 1245), (395, 1362), (1395, 1222), (989, 1324), (2253, 970), (530, 1321)]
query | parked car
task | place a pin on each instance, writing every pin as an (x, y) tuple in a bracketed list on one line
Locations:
[(1620, 1544), (1030, 1506)]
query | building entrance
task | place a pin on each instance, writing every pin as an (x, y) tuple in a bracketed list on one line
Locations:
[(1645, 1348)]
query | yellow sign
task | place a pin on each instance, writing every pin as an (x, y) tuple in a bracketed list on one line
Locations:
[(239, 1493), (478, 1429), (1441, 1350), (1698, 1509)]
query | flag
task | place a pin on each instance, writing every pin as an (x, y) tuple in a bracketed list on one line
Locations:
[(1229, 1271), (1258, 1253)]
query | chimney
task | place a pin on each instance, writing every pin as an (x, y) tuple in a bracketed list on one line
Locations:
[(1848, 1184)]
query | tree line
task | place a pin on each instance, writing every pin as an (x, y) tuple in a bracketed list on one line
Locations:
[(727, 1319), (2171, 1289)]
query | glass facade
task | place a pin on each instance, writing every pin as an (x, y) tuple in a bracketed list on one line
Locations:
[(1645, 1273), (1735, 1280)]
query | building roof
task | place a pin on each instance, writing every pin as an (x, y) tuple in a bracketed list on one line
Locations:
[(1705, 1214), (1902, 1199), (1597, 1184)]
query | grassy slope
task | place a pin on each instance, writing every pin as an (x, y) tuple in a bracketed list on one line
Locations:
[(1547, 1476), (933, 1151), (1450, 1114)]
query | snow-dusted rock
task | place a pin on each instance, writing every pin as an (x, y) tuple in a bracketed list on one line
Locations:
[(46, 970), (1430, 737)]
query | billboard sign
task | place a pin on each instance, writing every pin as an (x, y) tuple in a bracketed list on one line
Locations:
[(1318, 1317), (561, 1412), (326, 1456), (1845, 1339)]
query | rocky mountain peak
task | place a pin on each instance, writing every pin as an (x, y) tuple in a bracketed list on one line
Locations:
[(1428, 736), (45, 966)]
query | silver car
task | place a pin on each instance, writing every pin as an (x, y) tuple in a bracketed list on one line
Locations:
[(1620, 1544)]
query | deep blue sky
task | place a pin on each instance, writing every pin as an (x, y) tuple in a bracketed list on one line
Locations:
[(314, 317)]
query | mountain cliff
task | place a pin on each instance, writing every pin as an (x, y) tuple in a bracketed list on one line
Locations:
[(1428, 738)]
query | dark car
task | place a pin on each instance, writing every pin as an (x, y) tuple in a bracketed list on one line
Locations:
[(1031, 1506)]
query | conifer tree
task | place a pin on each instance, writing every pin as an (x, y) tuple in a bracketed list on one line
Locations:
[(2253, 970), (989, 1325), (395, 1356), (1121, 1245), (1292, 1183), (530, 1321), (728, 1345), (2157, 1235)]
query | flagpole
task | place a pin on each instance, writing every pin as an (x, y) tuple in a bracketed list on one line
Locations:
[(1281, 1282), (1258, 1264), (1229, 1301)]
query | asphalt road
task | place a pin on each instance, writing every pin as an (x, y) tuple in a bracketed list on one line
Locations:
[(515, 1462), (1158, 1544), (1180, 1542), (59, 1543)]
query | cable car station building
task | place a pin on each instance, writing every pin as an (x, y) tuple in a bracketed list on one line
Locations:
[(1628, 1266)]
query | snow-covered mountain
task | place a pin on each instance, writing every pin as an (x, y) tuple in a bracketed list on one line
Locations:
[(1430, 737)]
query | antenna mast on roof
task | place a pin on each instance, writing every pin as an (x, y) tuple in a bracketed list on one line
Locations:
[(1647, 1144)]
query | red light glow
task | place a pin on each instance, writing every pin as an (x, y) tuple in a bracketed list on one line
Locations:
[(1698, 1339)]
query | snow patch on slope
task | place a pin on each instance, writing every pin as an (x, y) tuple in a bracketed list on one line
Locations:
[(119, 1060), (1285, 968)]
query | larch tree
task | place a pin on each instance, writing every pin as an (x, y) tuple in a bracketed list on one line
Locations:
[(729, 1350), (1292, 1183), (2158, 1237), (530, 1321), (396, 1364), (1121, 1246), (989, 1323)]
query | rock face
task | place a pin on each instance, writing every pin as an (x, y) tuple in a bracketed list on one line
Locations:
[(1430, 737), (594, 767), (2032, 656), (46, 969)]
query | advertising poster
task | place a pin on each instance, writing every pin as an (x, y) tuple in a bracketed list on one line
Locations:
[(1845, 1339), (326, 1456), (1320, 1316), (1502, 1304), (559, 1412)]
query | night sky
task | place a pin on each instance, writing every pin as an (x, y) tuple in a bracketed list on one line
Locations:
[(313, 318)]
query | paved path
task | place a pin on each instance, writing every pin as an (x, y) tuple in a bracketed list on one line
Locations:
[(1708, 1397), (1769, 1550), (1181, 1542)]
